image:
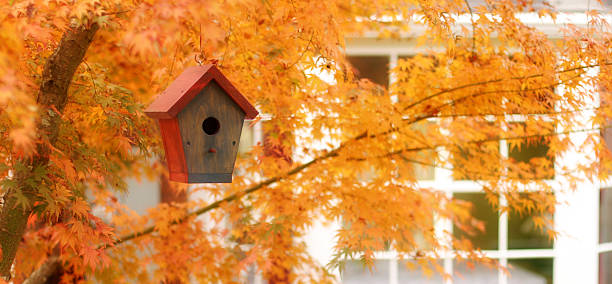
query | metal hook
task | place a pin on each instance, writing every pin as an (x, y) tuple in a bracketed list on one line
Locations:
[(199, 58)]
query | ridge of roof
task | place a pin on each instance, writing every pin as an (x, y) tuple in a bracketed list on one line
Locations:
[(188, 85)]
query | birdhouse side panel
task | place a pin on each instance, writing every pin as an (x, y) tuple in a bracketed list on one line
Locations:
[(210, 127), (173, 147)]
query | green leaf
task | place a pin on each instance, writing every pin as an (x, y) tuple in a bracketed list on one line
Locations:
[(21, 200)]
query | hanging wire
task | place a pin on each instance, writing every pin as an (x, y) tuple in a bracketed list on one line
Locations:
[(199, 57)]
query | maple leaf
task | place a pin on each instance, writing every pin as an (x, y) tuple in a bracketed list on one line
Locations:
[(340, 146), (90, 257)]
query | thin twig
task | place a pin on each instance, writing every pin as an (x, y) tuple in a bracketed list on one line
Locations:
[(461, 87), (116, 13), (513, 113), (473, 28), (227, 44), (435, 165), (303, 52), (91, 76), (492, 139), (545, 87), (173, 60)]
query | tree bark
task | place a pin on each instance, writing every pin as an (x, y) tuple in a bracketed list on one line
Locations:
[(46, 272), (56, 78)]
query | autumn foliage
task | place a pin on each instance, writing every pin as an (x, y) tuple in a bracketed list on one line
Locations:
[(69, 141)]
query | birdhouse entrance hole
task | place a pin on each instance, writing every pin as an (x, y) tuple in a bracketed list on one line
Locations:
[(211, 126)]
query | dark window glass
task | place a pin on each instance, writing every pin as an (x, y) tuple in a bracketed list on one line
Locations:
[(374, 68), (605, 267), (530, 150), (483, 211), (411, 272), (356, 273), (522, 231), (605, 215), (526, 151), (530, 270), (474, 273)]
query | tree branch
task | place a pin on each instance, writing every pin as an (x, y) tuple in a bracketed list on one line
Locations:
[(232, 197), (534, 114), (481, 83), (455, 101), (452, 102), (418, 149), (298, 169), (46, 270)]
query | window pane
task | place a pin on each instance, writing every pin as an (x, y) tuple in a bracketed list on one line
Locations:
[(531, 271), (605, 215), (374, 68), (481, 210), (474, 274), (522, 232), (533, 149), (356, 273), (605, 267), (411, 272), (528, 151)]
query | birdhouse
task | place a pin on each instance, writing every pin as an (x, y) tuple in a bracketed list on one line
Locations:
[(200, 117)]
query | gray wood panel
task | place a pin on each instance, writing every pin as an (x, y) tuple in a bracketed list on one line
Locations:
[(211, 101)]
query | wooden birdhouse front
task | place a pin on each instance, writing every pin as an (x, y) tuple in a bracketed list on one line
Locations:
[(201, 116)]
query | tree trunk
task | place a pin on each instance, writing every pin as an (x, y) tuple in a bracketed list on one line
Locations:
[(57, 75)]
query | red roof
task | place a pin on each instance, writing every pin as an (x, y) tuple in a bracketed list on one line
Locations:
[(188, 85)]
